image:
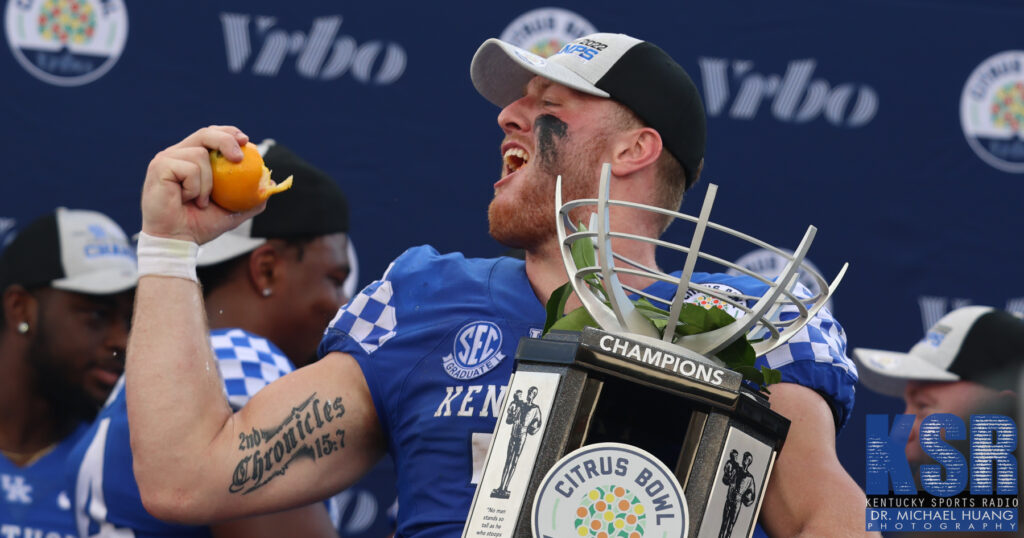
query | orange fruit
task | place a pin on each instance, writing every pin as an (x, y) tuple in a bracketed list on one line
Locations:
[(243, 185)]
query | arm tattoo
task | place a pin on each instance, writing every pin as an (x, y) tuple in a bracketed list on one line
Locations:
[(307, 432)]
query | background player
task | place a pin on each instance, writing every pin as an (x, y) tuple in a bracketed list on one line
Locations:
[(66, 282), (967, 363)]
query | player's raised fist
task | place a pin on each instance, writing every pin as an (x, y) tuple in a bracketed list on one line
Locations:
[(176, 193)]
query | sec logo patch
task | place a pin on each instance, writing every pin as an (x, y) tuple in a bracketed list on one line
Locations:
[(475, 351)]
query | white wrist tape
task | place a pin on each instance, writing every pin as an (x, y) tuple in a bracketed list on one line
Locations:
[(167, 257)]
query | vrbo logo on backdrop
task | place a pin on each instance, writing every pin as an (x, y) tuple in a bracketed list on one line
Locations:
[(933, 307), (321, 54), (795, 97), (7, 225)]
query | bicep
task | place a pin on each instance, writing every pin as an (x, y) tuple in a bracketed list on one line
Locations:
[(809, 490), (300, 439)]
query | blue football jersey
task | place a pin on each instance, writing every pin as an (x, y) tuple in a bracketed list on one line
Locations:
[(106, 496), (35, 500), (436, 337)]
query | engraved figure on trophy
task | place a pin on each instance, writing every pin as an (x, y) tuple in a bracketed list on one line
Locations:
[(731, 468), (741, 491), (525, 417)]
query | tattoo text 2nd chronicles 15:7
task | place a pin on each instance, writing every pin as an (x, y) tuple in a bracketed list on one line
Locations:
[(304, 433)]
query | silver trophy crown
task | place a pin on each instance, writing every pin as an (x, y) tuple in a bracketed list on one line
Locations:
[(770, 321)]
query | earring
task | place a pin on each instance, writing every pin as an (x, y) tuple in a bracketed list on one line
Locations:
[(23, 327), (267, 292)]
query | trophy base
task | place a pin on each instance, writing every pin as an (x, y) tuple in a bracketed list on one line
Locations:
[(710, 434)]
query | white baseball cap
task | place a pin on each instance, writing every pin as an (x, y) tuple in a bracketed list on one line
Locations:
[(636, 73), (74, 250), (973, 343)]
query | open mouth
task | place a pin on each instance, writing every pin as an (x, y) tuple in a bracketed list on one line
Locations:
[(515, 158)]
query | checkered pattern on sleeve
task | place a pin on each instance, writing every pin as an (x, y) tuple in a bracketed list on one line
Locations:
[(247, 363), (369, 318), (822, 340)]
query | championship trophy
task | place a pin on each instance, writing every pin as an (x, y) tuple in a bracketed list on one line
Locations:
[(637, 427)]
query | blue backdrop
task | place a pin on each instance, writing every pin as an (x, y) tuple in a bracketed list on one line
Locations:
[(894, 127)]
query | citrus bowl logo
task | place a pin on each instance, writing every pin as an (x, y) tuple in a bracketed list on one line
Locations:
[(609, 490), (610, 511), (992, 111), (545, 31), (66, 42)]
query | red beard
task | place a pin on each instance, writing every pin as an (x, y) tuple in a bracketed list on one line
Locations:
[(528, 220)]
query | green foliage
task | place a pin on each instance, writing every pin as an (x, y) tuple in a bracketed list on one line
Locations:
[(693, 319), (556, 305), (574, 321)]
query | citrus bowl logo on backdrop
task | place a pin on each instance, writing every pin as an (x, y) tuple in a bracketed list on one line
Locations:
[(610, 490), (66, 42), (770, 265), (545, 31), (992, 111)]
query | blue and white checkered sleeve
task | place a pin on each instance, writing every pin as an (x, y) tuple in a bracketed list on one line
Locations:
[(369, 318), (822, 340), (247, 363), (815, 357)]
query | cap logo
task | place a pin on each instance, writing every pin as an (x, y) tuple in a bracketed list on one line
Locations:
[(884, 362), (936, 335), (104, 244), (585, 49), (597, 45)]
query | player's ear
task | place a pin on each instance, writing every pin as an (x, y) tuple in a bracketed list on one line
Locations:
[(19, 306), (634, 150), (264, 267)]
